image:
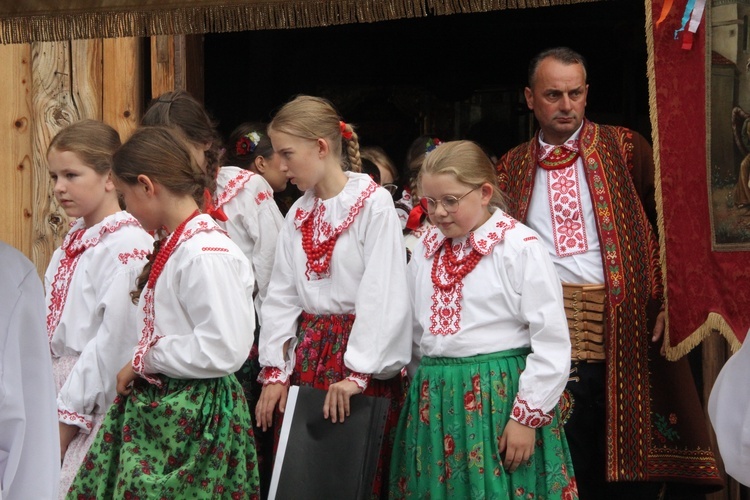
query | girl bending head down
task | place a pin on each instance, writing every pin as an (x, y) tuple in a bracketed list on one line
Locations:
[(195, 333), (458, 173)]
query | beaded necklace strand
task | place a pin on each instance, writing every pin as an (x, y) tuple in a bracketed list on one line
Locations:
[(314, 251), (455, 268), (166, 250)]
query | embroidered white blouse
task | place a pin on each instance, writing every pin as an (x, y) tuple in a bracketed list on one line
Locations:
[(584, 265), (367, 277), (512, 299), (89, 311), (29, 440), (198, 321), (253, 221)]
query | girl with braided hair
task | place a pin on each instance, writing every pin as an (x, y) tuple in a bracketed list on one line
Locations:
[(181, 427), (337, 311)]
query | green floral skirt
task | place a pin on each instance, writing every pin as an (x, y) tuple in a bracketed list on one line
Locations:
[(187, 439), (448, 434)]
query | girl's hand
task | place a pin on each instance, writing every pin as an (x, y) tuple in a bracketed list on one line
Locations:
[(517, 442), (337, 400), (125, 379), (270, 396), (67, 434)]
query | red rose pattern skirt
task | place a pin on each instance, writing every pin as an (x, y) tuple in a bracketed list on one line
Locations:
[(320, 363), (187, 439), (448, 435)]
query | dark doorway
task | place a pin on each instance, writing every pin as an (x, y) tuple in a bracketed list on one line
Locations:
[(457, 76)]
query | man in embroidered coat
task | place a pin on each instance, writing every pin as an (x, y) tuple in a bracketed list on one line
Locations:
[(588, 190)]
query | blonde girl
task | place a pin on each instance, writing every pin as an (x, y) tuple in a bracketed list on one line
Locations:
[(337, 312), (90, 321), (492, 351)]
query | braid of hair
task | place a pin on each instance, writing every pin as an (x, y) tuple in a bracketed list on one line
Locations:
[(352, 149), (142, 279)]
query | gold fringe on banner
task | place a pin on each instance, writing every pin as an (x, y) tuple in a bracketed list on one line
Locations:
[(194, 18), (446, 7)]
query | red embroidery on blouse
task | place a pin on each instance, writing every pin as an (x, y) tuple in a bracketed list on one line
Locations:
[(263, 196), (530, 238), (273, 375), (148, 338), (137, 254), (73, 247), (233, 187), (214, 249), (323, 230), (362, 380), (71, 417), (530, 417), (446, 300), (568, 226)]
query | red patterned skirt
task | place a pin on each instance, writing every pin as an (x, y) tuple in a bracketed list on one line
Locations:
[(320, 363)]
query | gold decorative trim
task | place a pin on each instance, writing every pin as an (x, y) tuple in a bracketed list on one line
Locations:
[(140, 18)]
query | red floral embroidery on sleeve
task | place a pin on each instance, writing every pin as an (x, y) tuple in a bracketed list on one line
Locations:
[(361, 379), (73, 418), (530, 417), (272, 375)]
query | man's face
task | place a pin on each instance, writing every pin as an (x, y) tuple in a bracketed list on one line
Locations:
[(558, 99)]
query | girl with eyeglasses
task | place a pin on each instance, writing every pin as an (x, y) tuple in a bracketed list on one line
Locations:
[(491, 347)]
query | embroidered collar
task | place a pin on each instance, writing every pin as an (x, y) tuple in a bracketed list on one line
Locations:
[(231, 181), (571, 144), (483, 240), (76, 242), (341, 209), (198, 224)]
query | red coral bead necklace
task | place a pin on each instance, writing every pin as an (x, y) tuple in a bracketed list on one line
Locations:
[(455, 268), (166, 250), (316, 252)]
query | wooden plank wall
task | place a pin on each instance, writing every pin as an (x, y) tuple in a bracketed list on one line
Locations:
[(49, 85), (17, 205)]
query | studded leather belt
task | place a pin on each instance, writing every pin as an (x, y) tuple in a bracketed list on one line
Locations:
[(584, 308)]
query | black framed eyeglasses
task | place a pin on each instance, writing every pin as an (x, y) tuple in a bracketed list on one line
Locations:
[(449, 202)]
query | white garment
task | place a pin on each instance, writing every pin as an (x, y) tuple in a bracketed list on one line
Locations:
[(29, 439), (90, 313), (412, 237), (580, 268), (512, 299), (367, 278), (729, 411), (203, 320), (253, 221)]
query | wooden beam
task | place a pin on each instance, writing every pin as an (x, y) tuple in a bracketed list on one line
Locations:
[(86, 77), (16, 205), (162, 64), (189, 65), (122, 84), (52, 109)]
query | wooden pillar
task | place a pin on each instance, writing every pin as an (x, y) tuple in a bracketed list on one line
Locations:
[(177, 64), (53, 108), (122, 84), (17, 205)]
